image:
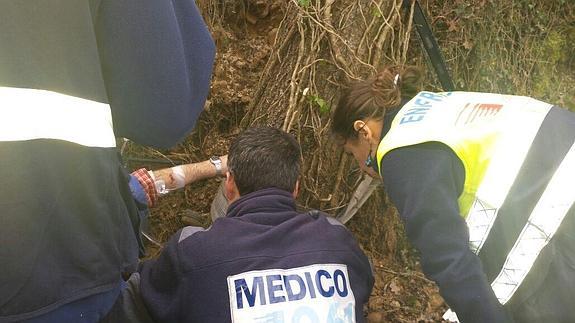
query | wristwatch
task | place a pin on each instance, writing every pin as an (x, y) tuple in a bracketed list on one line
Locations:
[(217, 162)]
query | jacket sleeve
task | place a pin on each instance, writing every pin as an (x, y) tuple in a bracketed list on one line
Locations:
[(424, 182), (156, 59), (160, 282)]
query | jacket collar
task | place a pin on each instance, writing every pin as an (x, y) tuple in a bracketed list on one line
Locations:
[(387, 121), (269, 201)]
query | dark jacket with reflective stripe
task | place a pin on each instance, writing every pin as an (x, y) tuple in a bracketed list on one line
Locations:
[(262, 230), (152, 62), (424, 182), (68, 223)]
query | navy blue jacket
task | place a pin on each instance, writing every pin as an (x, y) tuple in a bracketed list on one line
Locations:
[(262, 231), (152, 62)]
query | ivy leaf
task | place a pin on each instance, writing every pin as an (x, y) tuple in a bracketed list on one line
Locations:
[(375, 12), (304, 3), (324, 108)]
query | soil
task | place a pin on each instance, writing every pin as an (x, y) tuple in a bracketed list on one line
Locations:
[(244, 36)]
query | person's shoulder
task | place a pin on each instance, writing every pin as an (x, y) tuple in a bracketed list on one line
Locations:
[(338, 237), (319, 215), (333, 221), (331, 227), (188, 231)]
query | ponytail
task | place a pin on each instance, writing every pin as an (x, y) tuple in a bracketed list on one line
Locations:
[(373, 97)]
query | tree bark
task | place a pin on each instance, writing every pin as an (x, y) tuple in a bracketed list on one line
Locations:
[(321, 46)]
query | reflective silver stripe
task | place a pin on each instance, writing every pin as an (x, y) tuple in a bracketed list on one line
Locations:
[(188, 231), (503, 168), (479, 221), (28, 114), (334, 221), (543, 222), (450, 316)]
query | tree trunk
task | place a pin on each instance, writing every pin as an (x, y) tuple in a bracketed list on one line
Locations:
[(319, 47)]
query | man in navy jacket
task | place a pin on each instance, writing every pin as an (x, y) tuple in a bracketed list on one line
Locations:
[(264, 261)]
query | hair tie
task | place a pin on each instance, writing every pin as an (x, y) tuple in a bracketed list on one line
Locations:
[(396, 79)]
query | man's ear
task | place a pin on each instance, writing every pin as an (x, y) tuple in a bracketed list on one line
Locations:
[(231, 189), (296, 189)]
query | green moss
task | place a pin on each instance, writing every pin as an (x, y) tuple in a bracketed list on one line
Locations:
[(555, 47), (551, 53)]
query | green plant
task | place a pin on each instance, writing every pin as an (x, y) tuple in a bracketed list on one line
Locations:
[(324, 108), (303, 3)]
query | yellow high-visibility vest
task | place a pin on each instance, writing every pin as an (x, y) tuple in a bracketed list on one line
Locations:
[(477, 127), (491, 134)]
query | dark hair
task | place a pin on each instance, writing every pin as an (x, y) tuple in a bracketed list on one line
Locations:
[(264, 157), (371, 98)]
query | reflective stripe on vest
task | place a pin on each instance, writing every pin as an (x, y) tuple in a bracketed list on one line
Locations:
[(504, 165), (28, 114), (543, 222), (492, 135)]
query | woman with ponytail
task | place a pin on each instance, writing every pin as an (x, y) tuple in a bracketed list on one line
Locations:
[(483, 185)]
